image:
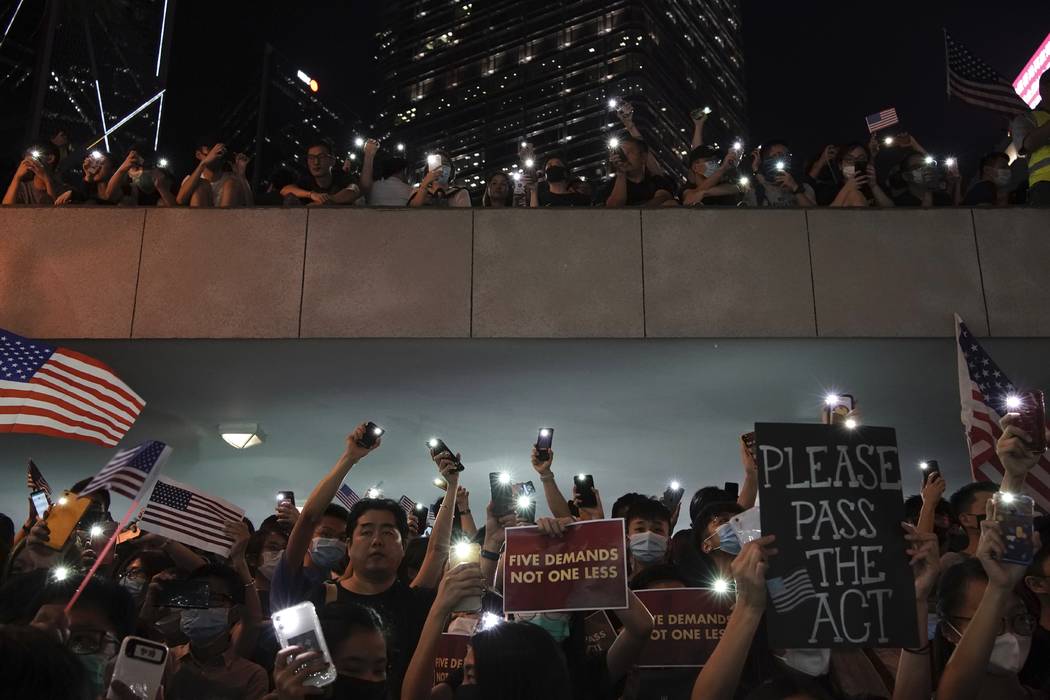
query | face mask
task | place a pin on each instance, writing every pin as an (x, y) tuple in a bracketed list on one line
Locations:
[(349, 687), (740, 530), (269, 563), (556, 624), (932, 620), (95, 667), (462, 625), (204, 625), (648, 547), (849, 170), (711, 167), (914, 177), (1001, 177), (133, 586), (557, 173), (1009, 654), (812, 662), (327, 552)]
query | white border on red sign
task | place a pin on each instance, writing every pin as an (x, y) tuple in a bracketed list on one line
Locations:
[(626, 588), (689, 588)]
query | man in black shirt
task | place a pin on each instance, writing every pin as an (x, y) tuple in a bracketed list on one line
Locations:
[(633, 185), (992, 188), (322, 184)]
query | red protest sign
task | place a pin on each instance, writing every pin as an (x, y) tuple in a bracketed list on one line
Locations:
[(451, 649), (689, 622), (598, 632), (586, 569)]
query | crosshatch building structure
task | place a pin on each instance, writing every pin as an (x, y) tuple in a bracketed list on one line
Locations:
[(479, 78)]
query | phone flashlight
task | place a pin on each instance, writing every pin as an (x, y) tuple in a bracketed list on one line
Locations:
[(850, 424), (1006, 497), (60, 573), (504, 478), (63, 500), (433, 161), (613, 103), (400, 148), (529, 162), (97, 155), (462, 550), (720, 586), (524, 502), (831, 400), (35, 154), (743, 181), (374, 492), (929, 160), (163, 163), (780, 165), (888, 141), (515, 176), (359, 142), (353, 156), (1013, 402), (421, 507), (949, 162), (706, 110), (490, 620), (924, 465), (675, 485), (738, 145), (614, 143), (95, 531)]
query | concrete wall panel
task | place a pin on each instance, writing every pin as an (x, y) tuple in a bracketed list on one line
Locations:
[(1015, 247)]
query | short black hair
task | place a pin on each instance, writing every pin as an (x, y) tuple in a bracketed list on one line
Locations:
[(37, 665), (773, 142), (339, 620), (951, 585), (659, 572), (703, 496), (855, 144), (711, 510), (702, 152), (368, 504), (334, 510), (647, 508), (106, 596), (323, 142), (624, 502), (988, 158), (390, 166), (153, 561), (100, 496), (208, 140), (225, 573), (963, 499), (642, 145)]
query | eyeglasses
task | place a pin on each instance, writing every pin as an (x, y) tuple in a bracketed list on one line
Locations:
[(318, 158), (1021, 623), (136, 574), (83, 642)]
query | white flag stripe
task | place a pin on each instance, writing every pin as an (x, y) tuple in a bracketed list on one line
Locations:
[(44, 391), (105, 375), (206, 524), (175, 528), (55, 408), (29, 419), (801, 574), (108, 396), (64, 387), (54, 375), (789, 595)]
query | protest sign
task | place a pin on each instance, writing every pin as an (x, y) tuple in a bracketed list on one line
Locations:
[(832, 496), (586, 569), (599, 633), (451, 649), (688, 622)]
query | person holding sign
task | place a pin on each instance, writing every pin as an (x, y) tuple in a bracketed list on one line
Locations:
[(986, 630), (648, 534)]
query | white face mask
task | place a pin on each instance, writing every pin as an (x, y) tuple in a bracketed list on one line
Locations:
[(1001, 177), (463, 625), (648, 547), (812, 662), (1009, 654), (849, 170), (711, 167), (269, 563)]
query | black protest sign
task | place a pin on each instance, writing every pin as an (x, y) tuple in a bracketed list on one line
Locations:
[(832, 496)]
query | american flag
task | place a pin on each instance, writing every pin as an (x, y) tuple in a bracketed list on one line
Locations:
[(788, 592), (975, 82), (346, 496), (184, 514), (131, 472), (983, 388), (880, 120), (407, 504), (62, 393), (35, 480)]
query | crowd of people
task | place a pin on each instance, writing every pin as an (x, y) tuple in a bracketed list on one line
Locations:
[(381, 582), (883, 171)]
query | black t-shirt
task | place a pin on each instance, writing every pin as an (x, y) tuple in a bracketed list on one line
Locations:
[(340, 181), (404, 610), (546, 198), (982, 192), (907, 199), (1036, 671), (638, 193)]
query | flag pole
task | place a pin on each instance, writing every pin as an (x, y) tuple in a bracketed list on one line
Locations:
[(101, 556), (947, 75)]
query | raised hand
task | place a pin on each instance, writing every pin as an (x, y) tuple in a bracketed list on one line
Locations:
[(291, 668), (554, 527), (925, 559), (353, 450), (461, 582), (595, 512), (541, 466), (749, 572), (1013, 447), (934, 488), (238, 531), (990, 551)]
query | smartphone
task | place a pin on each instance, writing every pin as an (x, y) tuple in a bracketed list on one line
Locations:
[(372, 434), (40, 503), (732, 490), (1014, 513), (465, 553), (286, 497), (525, 489), (672, 496), (502, 493), (62, 519), (437, 446), (932, 467), (585, 490), (440, 482), (749, 442), (299, 626), (184, 594), (543, 443), (1033, 419), (446, 174), (140, 665)]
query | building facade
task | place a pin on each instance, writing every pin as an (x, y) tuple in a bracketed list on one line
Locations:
[(478, 79)]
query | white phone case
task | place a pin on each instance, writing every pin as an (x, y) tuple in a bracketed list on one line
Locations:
[(140, 665), (299, 626)]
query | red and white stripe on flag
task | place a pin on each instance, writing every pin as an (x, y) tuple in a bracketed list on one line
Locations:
[(184, 514), (62, 393)]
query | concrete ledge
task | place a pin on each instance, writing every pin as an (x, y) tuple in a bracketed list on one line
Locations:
[(727, 273), (69, 273), (387, 274), (557, 274), (895, 273), (221, 273), (1015, 251)]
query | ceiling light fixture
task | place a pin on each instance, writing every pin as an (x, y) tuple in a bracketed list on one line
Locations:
[(241, 435)]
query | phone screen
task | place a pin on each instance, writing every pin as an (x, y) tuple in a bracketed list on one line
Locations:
[(749, 442), (585, 490), (732, 490), (1017, 533), (932, 467), (672, 497), (286, 496), (40, 503), (502, 494), (1033, 419), (184, 594)]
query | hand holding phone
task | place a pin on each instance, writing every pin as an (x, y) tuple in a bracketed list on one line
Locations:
[(463, 584), (672, 495), (1015, 513), (543, 444), (929, 468), (286, 497), (140, 666), (437, 447), (585, 490), (298, 626), (502, 491), (371, 436), (41, 503), (62, 519), (1029, 405)]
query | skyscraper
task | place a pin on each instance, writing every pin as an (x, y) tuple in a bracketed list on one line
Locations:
[(477, 79)]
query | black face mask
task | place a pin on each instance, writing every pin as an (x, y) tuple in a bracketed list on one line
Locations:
[(350, 688), (557, 173)]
